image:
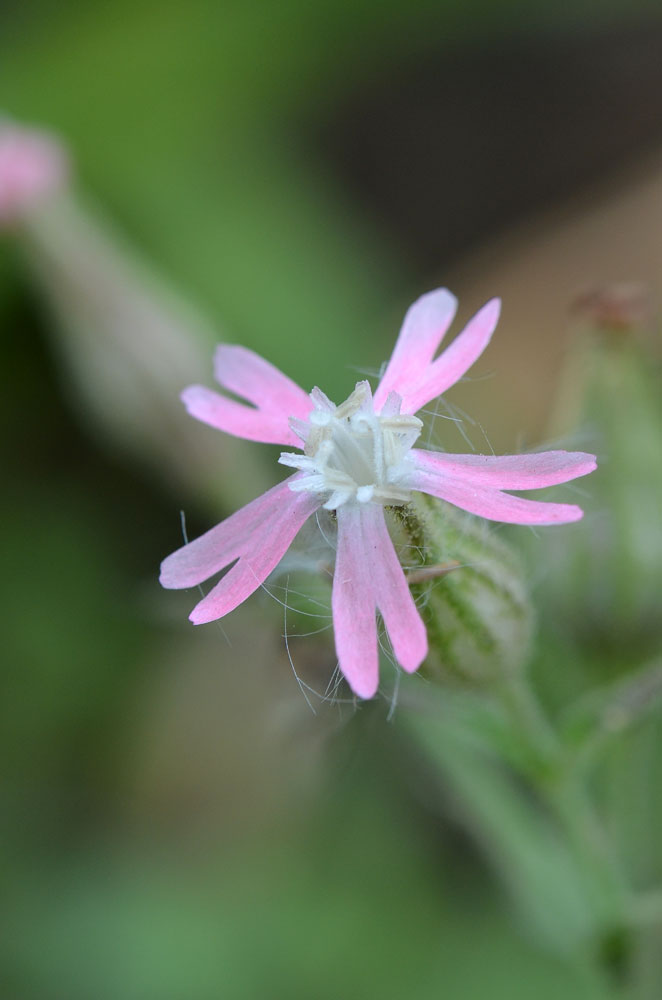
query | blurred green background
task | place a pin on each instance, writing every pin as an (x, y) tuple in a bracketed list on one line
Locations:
[(175, 821)]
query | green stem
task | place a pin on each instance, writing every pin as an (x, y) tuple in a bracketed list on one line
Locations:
[(566, 798), (526, 714)]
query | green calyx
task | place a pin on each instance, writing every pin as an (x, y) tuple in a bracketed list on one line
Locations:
[(471, 591)]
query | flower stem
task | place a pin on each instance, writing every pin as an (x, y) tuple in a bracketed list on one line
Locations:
[(563, 793)]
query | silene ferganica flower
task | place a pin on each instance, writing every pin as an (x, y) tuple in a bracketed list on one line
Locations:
[(356, 460)]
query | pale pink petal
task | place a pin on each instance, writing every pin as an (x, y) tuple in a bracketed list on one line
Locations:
[(248, 375), (491, 503), (425, 323), (235, 418), (353, 603), (394, 599), (455, 360), (508, 472), (279, 509), (260, 554)]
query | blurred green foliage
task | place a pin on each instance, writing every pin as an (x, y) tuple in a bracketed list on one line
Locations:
[(188, 123)]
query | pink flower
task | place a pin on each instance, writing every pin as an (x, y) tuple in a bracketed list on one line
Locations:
[(357, 459), (32, 167)]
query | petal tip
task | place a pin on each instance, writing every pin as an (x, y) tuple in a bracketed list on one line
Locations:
[(365, 690), (583, 462), (493, 309), (199, 617), (413, 662), (189, 394), (168, 576), (439, 296), (567, 513)]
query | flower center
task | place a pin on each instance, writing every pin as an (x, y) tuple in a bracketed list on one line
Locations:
[(352, 453)]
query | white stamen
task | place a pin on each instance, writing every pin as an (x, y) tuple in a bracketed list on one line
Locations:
[(352, 454)]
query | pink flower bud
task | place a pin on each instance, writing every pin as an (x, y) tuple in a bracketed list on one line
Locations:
[(33, 166)]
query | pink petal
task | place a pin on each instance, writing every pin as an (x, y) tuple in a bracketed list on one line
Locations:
[(235, 418), (200, 559), (266, 525), (261, 552), (425, 324), (455, 360), (491, 503), (368, 576), (248, 375), (353, 604), (394, 599), (508, 472)]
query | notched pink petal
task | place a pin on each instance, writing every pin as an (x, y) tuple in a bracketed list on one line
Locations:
[(248, 375), (261, 551), (508, 472), (236, 418), (394, 599), (198, 560), (424, 326), (493, 504), (353, 605), (368, 577), (455, 361)]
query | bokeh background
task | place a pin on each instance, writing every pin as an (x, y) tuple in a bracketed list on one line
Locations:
[(176, 823)]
